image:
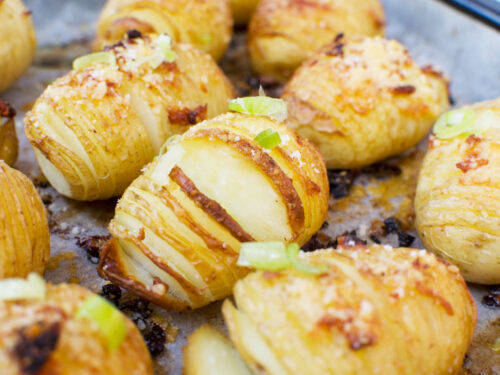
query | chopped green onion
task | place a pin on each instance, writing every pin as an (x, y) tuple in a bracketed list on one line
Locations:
[(496, 345), (455, 123), (300, 264), (85, 61), (268, 139), (162, 52), (270, 256), (260, 106), (109, 320), (33, 287), (164, 44), (275, 256)]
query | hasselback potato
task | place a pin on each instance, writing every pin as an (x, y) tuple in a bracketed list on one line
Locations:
[(179, 226), (17, 45), (9, 145), (457, 203), (284, 33), (206, 24), (243, 10), (364, 99), (24, 231), (376, 310), (61, 333), (95, 128)]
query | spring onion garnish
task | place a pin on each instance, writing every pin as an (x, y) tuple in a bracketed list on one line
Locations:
[(107, 318), (33, 287), (275, 256), (85, 61), (260, 106), (454, 123), (268, 139), (162, 52)]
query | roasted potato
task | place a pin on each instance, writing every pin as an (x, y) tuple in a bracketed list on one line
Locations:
[(458, 195), (209, 352), (364, 99), (179, 227), (95, 128), (284, 33), (243, 10), (206, 24), (24, 231), (46, 336), (377, 310), (9, 145), (17, 45)]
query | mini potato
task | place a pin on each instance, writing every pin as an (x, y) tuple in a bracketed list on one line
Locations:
[(24, 231), (9, 145), (209, 352), (95, 128), (17, 45), (375, 310), (206, 24), (284, 33), (47, 336), (362, 100), (179, 227), (457, 202), (243, 10)]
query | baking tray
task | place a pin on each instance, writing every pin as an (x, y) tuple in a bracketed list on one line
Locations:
[(466, 49)]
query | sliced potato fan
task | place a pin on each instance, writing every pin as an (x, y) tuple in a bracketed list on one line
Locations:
[(178, 228)]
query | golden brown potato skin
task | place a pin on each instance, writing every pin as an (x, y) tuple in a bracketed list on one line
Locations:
[(17, 45), (70, 346), (362, 100), (98, 126), (243, 10), (24, 232), (458, 199), (284, 33), (9, 144), (377, 310), (206, 24), (177, 236)]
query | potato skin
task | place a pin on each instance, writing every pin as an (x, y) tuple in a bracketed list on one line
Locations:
[(284, 33), (185, 229), (243, 10), (9, 144), (458, 199), (24, 231), (98, 126), (206, 24), (377, 310), (18, 43), (77, 348), (362, 100)]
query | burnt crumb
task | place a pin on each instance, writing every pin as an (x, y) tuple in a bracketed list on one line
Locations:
[(265, 81), (112, 293), (29, 12), (338, 37), (35, 345), (340, 182), (92, 245), (393, 225), (492, 299), (375, 239), (6, 110), (155, 338), (46, 199), (187, 116), (138, 306), (319, 241), (40, 182), (336, 50), (382, 170), (403, 89), (113, 46), (349, 239), (132, 34), (325, 225)]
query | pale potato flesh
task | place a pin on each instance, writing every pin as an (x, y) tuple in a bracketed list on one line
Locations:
[(458, 199), (209, 352), (179, 227)]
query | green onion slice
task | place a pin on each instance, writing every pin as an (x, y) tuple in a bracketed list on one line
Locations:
[(85, 61), (33, 287), (260, 106), (268, 138), (455, 123), (275, 256), (108, 319)]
